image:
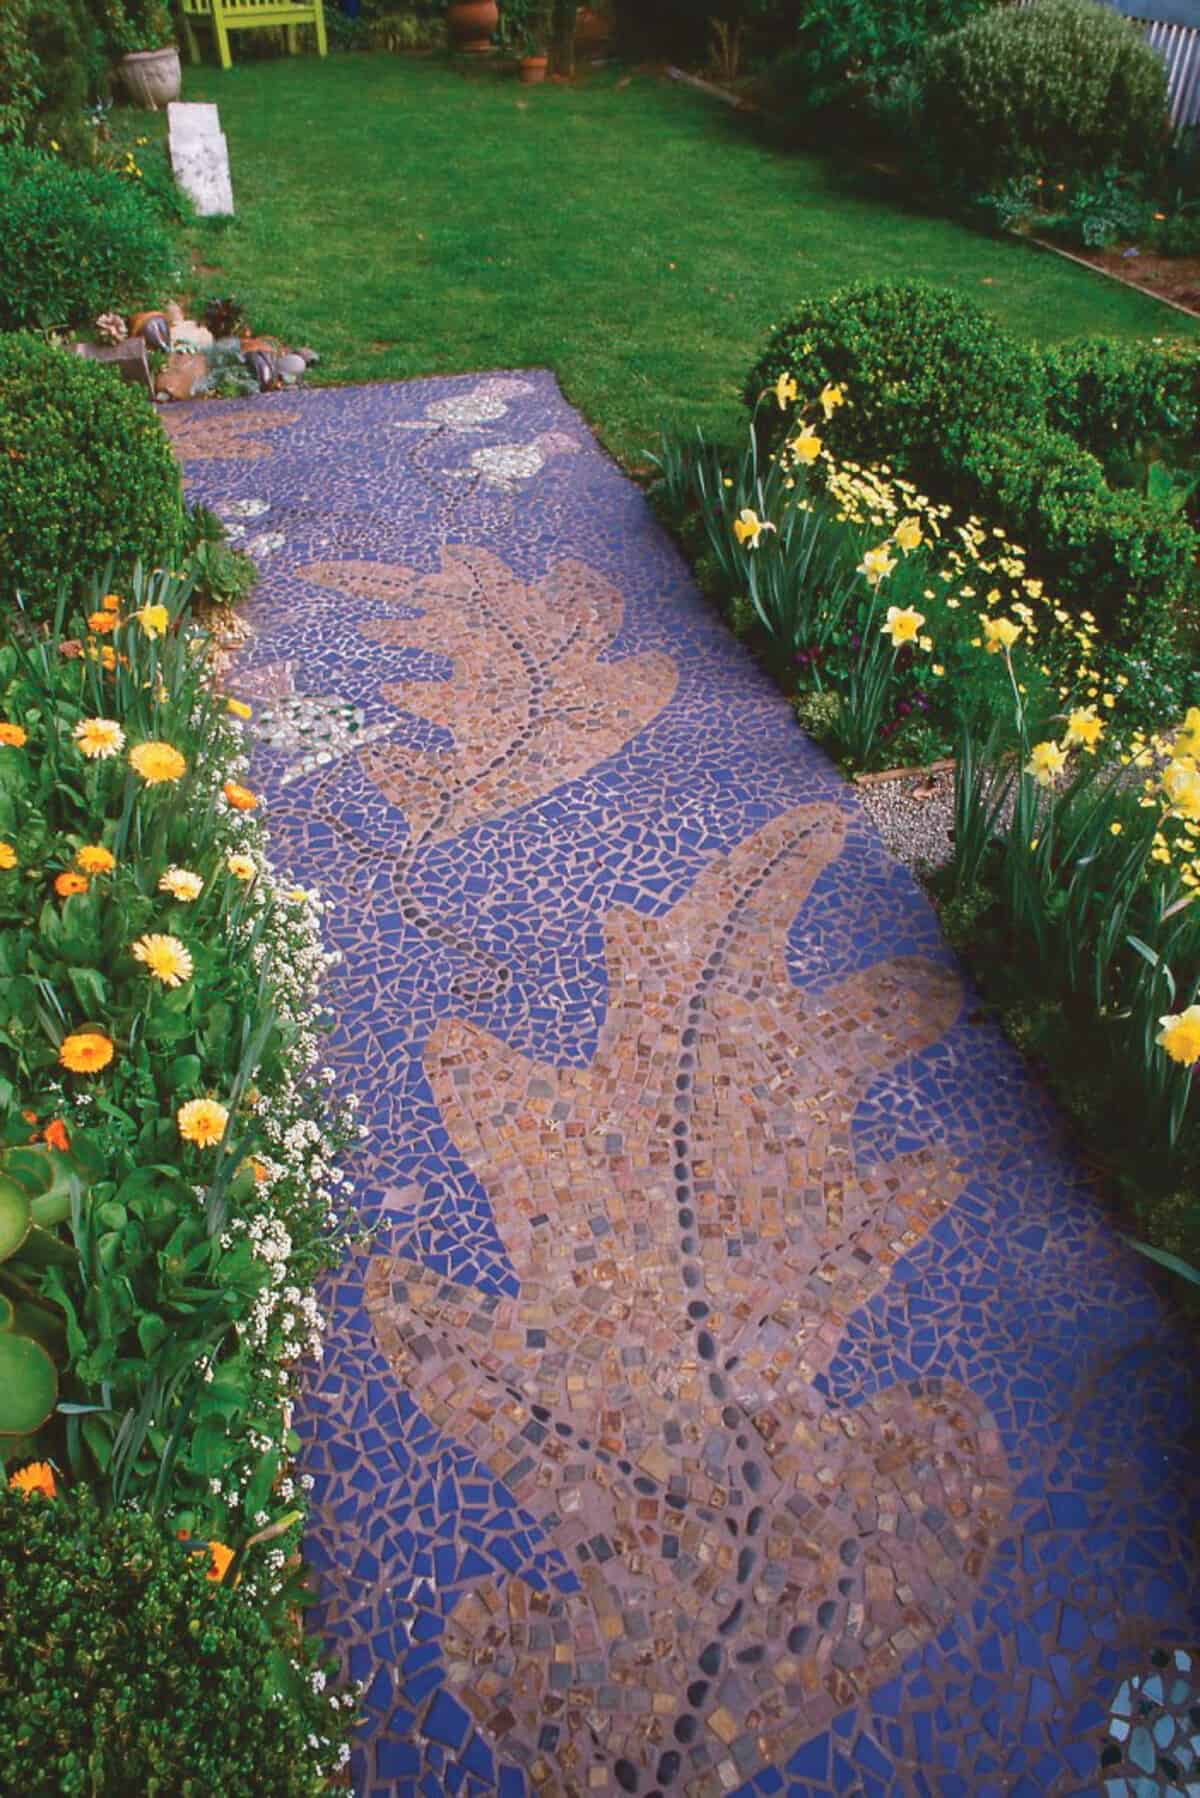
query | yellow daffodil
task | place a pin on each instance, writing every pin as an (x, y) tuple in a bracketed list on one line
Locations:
[(785, 391), (748, 527), (154, 620), (999, 633), (876, 565), (908, 534), (831, 396), (805, 446), (1046, 762), (1188, 740), (1180, 1036), (1182, 785), (1084, 728), (902, 625)]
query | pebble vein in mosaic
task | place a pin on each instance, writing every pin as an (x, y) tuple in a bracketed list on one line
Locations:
[(744, 1391)]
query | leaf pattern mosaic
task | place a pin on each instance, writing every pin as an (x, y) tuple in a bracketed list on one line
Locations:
[(741, 1389)]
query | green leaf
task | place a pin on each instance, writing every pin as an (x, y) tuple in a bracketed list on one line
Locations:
[(152, 1332), (91, 989), (183, 1074)]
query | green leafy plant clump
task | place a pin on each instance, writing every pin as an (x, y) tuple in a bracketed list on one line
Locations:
[(125, 1668), (1060, 85), (87, 475), (77, 242)]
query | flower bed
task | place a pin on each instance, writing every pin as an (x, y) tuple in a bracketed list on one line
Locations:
[(167, 1184)]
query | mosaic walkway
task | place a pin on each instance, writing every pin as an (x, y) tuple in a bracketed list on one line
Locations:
[(743, 1391)]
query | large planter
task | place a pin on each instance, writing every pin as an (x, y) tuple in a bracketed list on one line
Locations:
[(152, 78), (472, 24)]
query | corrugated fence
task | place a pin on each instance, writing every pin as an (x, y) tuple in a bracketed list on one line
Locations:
[(1179, 47)]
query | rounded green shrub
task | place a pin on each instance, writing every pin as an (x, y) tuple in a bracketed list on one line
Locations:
[(125, 1670), (1107, 394), (77, 242), (1060, 85), (87, 475), (908, 353)]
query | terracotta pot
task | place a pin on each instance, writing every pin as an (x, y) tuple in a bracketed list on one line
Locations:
[(152, 77), (533, 68), (472, 24), (592, 31)]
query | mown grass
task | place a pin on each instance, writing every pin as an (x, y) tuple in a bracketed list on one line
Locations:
[(407, 217)]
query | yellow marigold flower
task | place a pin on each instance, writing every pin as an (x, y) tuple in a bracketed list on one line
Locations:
[(805, 446), (12, 736), (85, 1051), (785, 391), (241, 867), (1084, 728), (748, 527), (1046, 762), (1115, 828), (8, 856), (98, 738), (831, 396), (112, 602), (165, 958), (37, 1477), (999, 633), (239, 708), (154, 620), (157, 763), (94, 858), (220, 1559), (908, 533), (1180, 1036), (902, 624), (876, 565), (202, 1121), (67, 885), (182, 884)]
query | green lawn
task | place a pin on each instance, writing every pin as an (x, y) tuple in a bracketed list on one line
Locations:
[(636, 237)]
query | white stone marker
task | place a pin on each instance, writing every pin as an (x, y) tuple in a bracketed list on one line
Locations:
[(200, 156)]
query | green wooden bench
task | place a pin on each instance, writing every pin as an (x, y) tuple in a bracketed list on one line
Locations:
[(251, 15)]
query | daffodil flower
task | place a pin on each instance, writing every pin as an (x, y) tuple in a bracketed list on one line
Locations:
[(785, 391), (1046, 762), (748, 527), (805, 447), (902, 625), (876, 565)]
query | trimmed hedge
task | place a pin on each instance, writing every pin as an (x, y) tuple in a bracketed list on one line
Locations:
[(77, 242), (88, 475), (939, 389), (1060, 86)]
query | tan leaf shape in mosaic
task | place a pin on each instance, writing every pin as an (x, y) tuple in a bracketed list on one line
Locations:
[(691, 1227), (530, 703), (201, 435)]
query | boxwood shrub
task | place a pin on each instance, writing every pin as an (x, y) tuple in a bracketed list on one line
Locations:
[(87, 474), (1107, 395), (77, 242), (125, 1669)]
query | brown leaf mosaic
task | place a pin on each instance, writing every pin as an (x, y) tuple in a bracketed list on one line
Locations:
[(691, 1228), (200, 434), (531, 703)]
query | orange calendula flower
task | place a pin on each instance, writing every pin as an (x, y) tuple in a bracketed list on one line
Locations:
[(157, 763), (85, 1051), (202, 1121), (55, 1135), (111, 602), (11, 735), (68, 884), (241, 867), (98, 738), (8, 856), (221, 1559), (37, 1477), (103, 621), (240, 798), (94, 858)]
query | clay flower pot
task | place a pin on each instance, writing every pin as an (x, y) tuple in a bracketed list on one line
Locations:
[(152, 77), (472, 24), (532, 68)]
